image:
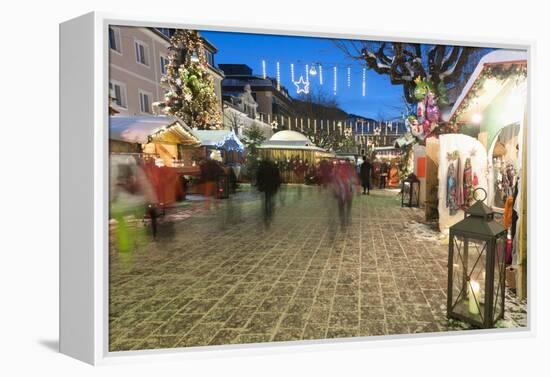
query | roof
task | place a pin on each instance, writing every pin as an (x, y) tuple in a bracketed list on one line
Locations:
[(288, 139), (141, 129), (223, 139), (288, 135), (136, 129), (495, 57)]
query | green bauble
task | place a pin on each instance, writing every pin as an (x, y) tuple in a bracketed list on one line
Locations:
[(420, 91)]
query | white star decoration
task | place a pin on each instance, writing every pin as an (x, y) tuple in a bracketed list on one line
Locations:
[(301, 86)]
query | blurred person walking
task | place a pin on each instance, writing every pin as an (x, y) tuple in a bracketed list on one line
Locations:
[(364, 174), (268, 181), (343, 181)]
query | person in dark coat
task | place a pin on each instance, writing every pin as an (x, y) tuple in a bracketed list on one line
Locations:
[(384, 168), (268, 181), (364, 174)]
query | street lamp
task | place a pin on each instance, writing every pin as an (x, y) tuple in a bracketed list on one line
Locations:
[(410, 191), (476, 277)]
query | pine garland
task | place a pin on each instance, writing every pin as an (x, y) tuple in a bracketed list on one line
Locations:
[(190, 87), (517, 71)]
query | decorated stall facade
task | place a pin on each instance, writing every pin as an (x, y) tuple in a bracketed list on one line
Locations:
[(294, 153), (493, 108), (220, 145), (165, 140)]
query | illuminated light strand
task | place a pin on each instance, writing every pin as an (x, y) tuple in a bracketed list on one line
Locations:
[(307, 73), (320, 74), (278, 76), (292, 72), (364, 83), (264, 75), (349, 77), (335, 79)]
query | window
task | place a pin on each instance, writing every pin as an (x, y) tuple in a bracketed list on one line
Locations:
[(163, 64), (209, 58), (117, 91), (142, 53), (144, 102), (114, 39), (166, 31)]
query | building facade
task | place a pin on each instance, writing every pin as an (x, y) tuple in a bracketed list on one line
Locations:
[(271, 100), (137, 60)]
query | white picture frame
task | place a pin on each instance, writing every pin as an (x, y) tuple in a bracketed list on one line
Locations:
[(84, 91)]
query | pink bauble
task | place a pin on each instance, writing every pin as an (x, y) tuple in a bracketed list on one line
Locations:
[(430, 99), (420, 109), (432, 113), (427, 125)]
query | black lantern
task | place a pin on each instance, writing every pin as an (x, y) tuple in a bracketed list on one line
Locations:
[(410, 191), (476, 281)]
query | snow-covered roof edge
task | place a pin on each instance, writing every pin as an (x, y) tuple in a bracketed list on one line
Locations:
[(495, 57)]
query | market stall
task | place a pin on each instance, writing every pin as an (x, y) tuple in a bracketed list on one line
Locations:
[(165, 140), (295, 154), (220, 145), (492, 108)]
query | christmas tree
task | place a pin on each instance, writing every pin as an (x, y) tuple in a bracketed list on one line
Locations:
[(190, 88)]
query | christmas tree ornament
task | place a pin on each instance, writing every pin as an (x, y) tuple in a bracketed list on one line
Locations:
[(420, 108), (432, 113)]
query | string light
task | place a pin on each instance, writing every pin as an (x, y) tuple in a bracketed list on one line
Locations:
[(335, 73), (263, 70), (292, 72), (278, 76), (320, 74), (364, 83), (307, 73), (349, 76)]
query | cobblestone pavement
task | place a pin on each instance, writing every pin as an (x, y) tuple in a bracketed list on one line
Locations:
[(221, 277)]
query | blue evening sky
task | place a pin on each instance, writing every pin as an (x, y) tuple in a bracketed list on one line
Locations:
[(382, 99)]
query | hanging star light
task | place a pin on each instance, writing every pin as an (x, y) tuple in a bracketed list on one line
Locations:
[(302, 86)]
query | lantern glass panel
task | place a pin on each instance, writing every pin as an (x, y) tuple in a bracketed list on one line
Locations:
[(499, 277), (468, 284), (405, 195), (415, 188)]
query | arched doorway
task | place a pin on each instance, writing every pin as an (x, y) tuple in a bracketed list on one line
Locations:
[(503, 164)]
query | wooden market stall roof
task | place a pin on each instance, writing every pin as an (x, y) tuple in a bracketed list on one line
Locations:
[(219, 139), (148, 129)]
